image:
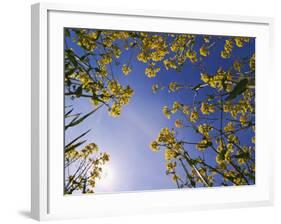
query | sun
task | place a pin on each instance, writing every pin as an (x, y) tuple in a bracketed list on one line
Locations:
[(107, 177)]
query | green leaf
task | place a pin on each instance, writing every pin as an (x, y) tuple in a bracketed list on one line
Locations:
[(68, 113), (243, 155), (66, 32), (74, 146), (77, 121), (76, 139), (238, 89), (78, 91), (70, 56), (69, 72)]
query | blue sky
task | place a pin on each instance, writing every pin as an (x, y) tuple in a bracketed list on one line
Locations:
[(133, 165)]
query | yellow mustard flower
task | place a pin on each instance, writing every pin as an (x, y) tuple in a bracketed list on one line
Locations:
[(126, 69), (202, 145), (205, 78), (229, 127), (155, 88), (204, 51), (237, 65), (207, 108), (170, 167), (169, 64), (194, 116), (173, 86), (170, 154), (166, 112), (253, 139), (154, 146), (151, 71), (175, 178), (115, 110), (185, 110), (176, 107), (178, 123), (243, 120), (252, 63)]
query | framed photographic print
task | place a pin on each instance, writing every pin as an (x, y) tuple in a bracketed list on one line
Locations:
[(148, 111)]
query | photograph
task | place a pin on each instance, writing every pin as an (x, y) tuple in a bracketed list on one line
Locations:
[(151, 111)]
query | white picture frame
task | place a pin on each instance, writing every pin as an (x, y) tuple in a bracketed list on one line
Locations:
[(47, 199)]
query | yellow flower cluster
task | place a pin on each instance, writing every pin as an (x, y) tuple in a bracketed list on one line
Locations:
[(205, 78), (118, 35), (105, 95), (204, 51), (182, 45), (166, 135), (87, 157), (207, 108), (154, 48), (232, 138), (116, 51), (176, 107), (87, 40), (243, 120), (229, 127), (166, 111), (143, 57), (167, 138), (169, 64), (237, 65), (126, 69), (243, 155), (224, 152), (240, 41), (154, 146), (206, 39), (228, 46), (175, 178), (179, 44), (235, 177), (170, 154), (178, 123), (85, 80), (105, 59), (252, 63), (105, 157), (194, 116), (122, 96), (179, 107), (253, 139), (248, 94), (224, 157), (185, 110), (242, 107), (191, 55), (203, 144), (155, 88), (115, 110), (204, 129), (102, 71), (171, 166), (221, 80), (71, 154), (173, 86), (90, 149), (151, 71), (107, 41)]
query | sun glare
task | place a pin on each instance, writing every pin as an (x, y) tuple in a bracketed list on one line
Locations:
[(107, 177)]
